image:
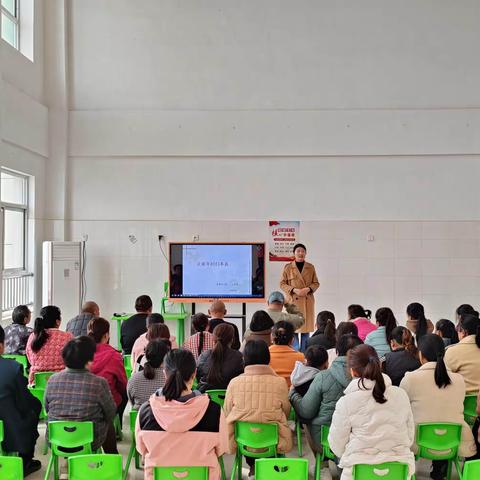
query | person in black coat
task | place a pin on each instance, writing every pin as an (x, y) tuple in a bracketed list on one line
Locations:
[(19, 411), (324, 336), (216, 367), (136, 325), (217, 311)]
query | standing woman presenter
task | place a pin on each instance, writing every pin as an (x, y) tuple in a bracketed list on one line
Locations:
[(299, 282)]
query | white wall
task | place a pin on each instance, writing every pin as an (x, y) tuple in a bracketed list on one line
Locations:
[(215, 117)]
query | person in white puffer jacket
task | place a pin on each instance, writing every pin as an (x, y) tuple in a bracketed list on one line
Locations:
[(373, 422)]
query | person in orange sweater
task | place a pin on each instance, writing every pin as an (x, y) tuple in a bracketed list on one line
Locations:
[(282, 355)]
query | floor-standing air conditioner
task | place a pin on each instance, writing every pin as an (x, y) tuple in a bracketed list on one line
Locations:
[(63, 281)]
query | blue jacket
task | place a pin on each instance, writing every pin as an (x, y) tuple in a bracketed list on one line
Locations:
[(378, 340)]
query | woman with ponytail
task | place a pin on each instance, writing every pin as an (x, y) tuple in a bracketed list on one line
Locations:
[(464, 357), (46, 342), (417, 323), (178, 425), (437, 395), (202, 340), (403, 357), (380, 338), (446, 330), (324, 335), (218, 366), (361, 318), (142, 385), (373, 422)]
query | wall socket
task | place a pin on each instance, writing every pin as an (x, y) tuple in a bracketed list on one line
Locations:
[(196, 237)]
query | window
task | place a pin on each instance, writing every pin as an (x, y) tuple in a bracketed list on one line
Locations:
[(10, 22)]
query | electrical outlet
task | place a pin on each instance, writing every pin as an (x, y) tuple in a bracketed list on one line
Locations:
[(161, 237), (85, 237), (196, 237)]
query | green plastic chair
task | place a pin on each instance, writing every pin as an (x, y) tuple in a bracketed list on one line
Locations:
[(41, 379), (281, 468), (133, 446), (298, 430), (68, 439), (217, 396), (118, 428), (174, 473), (326, 453), (258, 436), (1, 436), (178, 317), (11, 468), (471, 470), (440, 441), (382, 471), (96, 466), (470, 409), (39, 393), (127, 363), (22, 360)]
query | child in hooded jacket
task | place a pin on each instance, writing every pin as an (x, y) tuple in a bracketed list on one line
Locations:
[(316, 359)]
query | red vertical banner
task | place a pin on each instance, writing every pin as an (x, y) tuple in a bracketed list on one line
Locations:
[(283, 235)]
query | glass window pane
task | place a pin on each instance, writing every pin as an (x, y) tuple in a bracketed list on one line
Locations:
[(14, 239), (9, 31), (13, 188), (10, 6)]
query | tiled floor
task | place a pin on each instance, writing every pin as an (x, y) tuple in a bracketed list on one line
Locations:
[(422, 467)]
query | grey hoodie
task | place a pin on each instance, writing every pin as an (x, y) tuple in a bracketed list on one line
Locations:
[(302, 374)]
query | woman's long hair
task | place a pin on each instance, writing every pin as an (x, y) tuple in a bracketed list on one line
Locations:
[(417, 312), (403, 337), (385, 318), (432, 349), (48, 318), (447, 328), (97, 328), (179, 368), (200, 324), (357, 311), (326, 325), (469, 324), (154, 353), (223, 336)]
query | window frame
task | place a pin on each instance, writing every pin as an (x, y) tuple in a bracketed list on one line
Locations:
[(16, 21)]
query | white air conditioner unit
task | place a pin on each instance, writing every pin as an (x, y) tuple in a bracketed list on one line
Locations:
[(63, 281)]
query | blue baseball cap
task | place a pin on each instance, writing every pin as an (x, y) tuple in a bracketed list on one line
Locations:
[(276, 297)]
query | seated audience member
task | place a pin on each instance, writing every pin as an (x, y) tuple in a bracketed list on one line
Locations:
[(292, 314), (318, 404), (373, 421), (142, 385), (201, 341), (445, 329), (136, 325), (282, 355), (45, 344), (260, 329), (154, 331), (78, 325), (417, 323), (218, 366), (108, 363), (217, 312), (178, 426), (324, 335), (465, 309), (404, 355), (77, 394), (437, 395), (344, 328), (258, 395), (19, 411), (361, 318), (380, 338), (17, 333), (464, 357), (316, 359)]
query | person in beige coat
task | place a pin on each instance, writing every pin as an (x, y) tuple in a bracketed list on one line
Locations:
[(258, 395), (464, 357), (299, 282), (436, 395)]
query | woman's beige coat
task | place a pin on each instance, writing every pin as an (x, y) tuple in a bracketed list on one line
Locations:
[(292, 278)]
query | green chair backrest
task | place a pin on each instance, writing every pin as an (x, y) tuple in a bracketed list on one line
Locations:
[(98, 467), (39, 393), (258, 436), (21, 359), (133, 420), (127, 363), (281, 468), (217, 396), (1, 437), (175, 473), (438, 441), (324, 431), (76, 436), (382, 471), (41, 379), (470, 408), (11, 468), (471, 470)]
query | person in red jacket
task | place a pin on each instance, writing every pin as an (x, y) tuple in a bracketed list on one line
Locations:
[(108, 363)]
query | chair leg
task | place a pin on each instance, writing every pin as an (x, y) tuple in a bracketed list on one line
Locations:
[(127, 463), (459, 469), (232, 475), (49, 468), (299, 438), (239, 466), (318, 465), (56, 475), (222, 467), (138, 466), (449, 470)]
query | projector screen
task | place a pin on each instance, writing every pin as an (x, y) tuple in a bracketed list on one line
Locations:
[(217, 270)]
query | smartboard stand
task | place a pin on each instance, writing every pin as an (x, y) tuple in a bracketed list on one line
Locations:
[(243, 316)]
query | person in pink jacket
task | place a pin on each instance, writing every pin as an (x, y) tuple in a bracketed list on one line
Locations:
[(361, 318), (108, 363), (178, 426), (153, 333)]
